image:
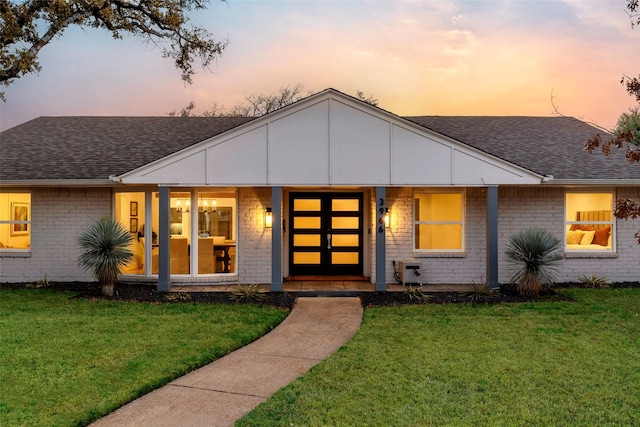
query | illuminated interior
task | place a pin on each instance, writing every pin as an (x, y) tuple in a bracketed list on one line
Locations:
[(213, 237), (589, 221), (439, 221), (15, 221)]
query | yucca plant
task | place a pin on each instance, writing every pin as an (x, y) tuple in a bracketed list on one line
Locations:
[(246, 293), (533, 259), (594, 281), (416, 294), (106, 250), (479, 292)]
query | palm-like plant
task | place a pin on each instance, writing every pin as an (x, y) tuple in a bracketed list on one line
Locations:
[(106, 250), (533, 259)]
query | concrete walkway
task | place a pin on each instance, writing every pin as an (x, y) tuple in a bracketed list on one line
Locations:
[(220, 393)]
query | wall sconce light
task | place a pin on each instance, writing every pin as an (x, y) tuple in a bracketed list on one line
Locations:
[(215, 204), (386, 218), (179, 207), (268, 218)]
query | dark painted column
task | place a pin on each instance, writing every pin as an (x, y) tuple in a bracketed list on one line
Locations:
[(276, 240), (492, 238), (164, 279), (381, 247)]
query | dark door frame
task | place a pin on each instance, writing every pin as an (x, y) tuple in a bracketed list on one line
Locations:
[(326, 268)]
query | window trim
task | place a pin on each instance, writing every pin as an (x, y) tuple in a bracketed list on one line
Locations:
[(567, 223), (462, 222)]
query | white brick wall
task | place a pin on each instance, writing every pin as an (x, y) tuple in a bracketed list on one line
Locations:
[(254, 241), (58, 216), (518, 208)]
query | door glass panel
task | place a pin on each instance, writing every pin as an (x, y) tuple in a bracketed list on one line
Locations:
[(351, 205), (306, 222), (344, 240), (306, 257), (344, 257), (341, 223), (306, 240), (306, 205)]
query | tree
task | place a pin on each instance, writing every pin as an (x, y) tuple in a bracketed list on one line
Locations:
[(626, 133), (260, 104), (27, 26), (105, 251)]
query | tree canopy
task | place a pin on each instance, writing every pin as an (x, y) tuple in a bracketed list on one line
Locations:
[(256, 105), (627, 131), (27, 26)]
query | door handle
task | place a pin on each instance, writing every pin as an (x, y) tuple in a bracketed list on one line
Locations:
[(328, 241)]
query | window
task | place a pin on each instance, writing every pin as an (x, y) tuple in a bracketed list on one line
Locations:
[(439, 221), (130, 212), (589, 221), (15, 221)]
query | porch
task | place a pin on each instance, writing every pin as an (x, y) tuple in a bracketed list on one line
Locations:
[(322, 286)]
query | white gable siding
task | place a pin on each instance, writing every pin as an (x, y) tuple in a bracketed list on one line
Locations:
[(240, 160), (190, 169), (305, 138), (416, 159), (331, 139), (360, 147)]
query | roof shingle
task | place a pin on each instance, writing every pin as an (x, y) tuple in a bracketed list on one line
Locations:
[(50, 148)]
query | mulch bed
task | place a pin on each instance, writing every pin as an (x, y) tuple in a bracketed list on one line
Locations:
[(148, 293)]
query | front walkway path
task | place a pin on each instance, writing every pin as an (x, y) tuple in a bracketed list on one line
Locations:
[(220, 393)]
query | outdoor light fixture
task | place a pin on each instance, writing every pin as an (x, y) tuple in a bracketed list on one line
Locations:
[(386, 218), (268, 218)]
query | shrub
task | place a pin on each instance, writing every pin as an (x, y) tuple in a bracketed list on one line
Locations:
[(479, 292), (416, 294), (246, 293), (594, 281), (533, 258), (105, 251)]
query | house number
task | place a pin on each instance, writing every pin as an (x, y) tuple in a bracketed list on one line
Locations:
[(381, 212)]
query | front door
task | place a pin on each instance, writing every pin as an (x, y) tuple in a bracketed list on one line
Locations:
[(326, 233)]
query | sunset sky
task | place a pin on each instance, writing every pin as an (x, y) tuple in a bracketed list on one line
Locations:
[(415, 57)]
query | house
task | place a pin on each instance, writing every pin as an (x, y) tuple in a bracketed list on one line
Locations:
[(326, 186)]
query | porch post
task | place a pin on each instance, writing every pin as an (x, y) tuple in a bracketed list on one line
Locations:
[(164, 257), (381, 250), (276, 239), (492, 238)]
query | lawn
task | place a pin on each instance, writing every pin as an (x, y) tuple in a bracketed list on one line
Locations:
[(66, 362), (544, 364)]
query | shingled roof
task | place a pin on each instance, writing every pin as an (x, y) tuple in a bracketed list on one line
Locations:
[(545, 145), (90, 148), (49, 148)]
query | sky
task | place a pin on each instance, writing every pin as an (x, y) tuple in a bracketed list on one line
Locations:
[(478, 58)]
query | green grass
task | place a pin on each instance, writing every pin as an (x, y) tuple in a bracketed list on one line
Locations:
[(543, 364), (66, 362)]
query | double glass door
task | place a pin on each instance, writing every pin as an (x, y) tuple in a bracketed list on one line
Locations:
[(326, 234)]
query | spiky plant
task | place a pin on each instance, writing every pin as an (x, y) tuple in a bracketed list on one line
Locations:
[(594, 281), (105, 251), (533, 259), (246, 293)]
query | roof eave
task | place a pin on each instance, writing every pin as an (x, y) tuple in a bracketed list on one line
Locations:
[(629, 182), (58, 183)]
